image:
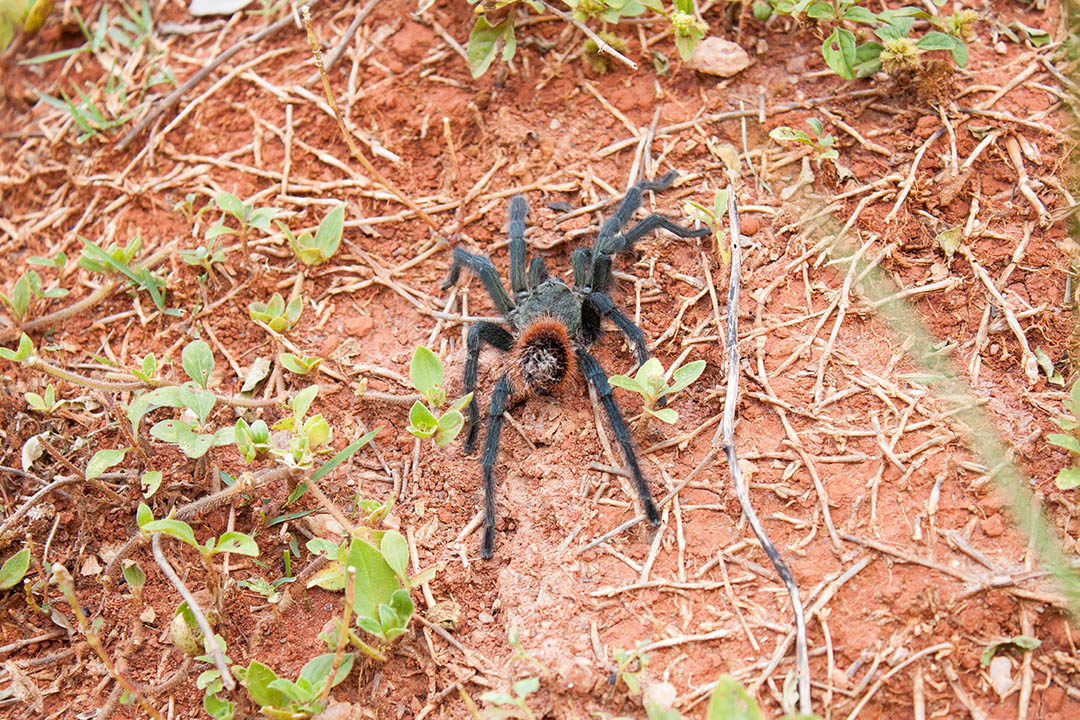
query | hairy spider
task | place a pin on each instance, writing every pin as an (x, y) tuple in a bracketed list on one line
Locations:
[(552, 326)]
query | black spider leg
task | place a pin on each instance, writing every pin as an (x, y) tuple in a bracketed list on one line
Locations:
[(495, 336), (598, 305), (581, 264), (601, 277), (484, 270), (487, 462), (516, 231), (596, 375), (627, 207)]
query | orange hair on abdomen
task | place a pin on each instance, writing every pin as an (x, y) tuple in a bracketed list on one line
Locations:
[(543, 359)]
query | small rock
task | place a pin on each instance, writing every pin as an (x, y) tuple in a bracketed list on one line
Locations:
[(715, 56), (1001, 675), (993, 526), (486, 618), (90, 566), (359, 326), (329, 345), (148, 615), (325, 526), (1001, 48), (749, 225)]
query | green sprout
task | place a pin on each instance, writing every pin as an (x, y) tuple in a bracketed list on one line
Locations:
[(1069, 477), (278, 697), (115, 259), (426, 373), (275, 314), (46, 404), (317, 249), (204, 256), (820, 141), (649, 382), (248, 217), (517, 699), (27, 289)]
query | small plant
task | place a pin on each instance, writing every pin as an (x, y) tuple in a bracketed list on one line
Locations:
[(381, 602), (204, 256), (27, 289), (115, 259), (514, 702), (713, 218), (249, 218), (896, 53), (629, 667), (251, 440), (46, 404), (309, 436), (186, 207), (299, 365), (426, 373), (279, 697), (489, 34), (1069, 477), (649, 382), (275, 314), (820, 141), (317, 249), (190, 432)]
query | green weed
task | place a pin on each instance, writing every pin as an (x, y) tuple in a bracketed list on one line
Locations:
[(317, 249), (275, 314), (1069, 477), (426, 373), (650, 383), (247, 216)]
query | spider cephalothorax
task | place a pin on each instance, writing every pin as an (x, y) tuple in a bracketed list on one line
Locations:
[(552, 325)]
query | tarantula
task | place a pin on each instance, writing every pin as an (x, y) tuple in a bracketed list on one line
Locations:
[(552, 326)]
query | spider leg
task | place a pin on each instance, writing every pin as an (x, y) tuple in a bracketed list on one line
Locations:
[(629, 205), (487, 462), (483, 269), (537, 272), (596, 375), (598, 306), (518, 210), (580, 262), (479, 333)]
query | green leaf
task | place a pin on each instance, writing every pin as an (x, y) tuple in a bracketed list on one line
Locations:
[(460, 403), (839, 52), (14, 569), (143, 514), (1064, 441), (1068, 478), (134, 576), (857, 13), (1035, 36), (626, 383), (328, 236), (173, 528), (344, 455), (198, 361), (425, 371), (422, 420), (525, 686), (298, 365), (787, 134), (820, 10), (230, 204), (395, 550), (26, 346), (1022, 642), (259, 679), (450, 425), (259, 371), (666, 414), (36, 402), (317, 670), (151, 481), (375, 579), (731, 701), (237, 543), (483, 44), (685, 375), (302, 402), (103, 460)]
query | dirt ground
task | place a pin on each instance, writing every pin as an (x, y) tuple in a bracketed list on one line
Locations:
[(904, 556)]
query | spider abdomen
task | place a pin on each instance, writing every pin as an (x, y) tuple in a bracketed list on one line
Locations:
[(543, 360)]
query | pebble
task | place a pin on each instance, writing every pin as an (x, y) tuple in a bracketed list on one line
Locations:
[(749, 225), (1000, 48), (993, 526), (715, 56), (359, 326), (486, 618)]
